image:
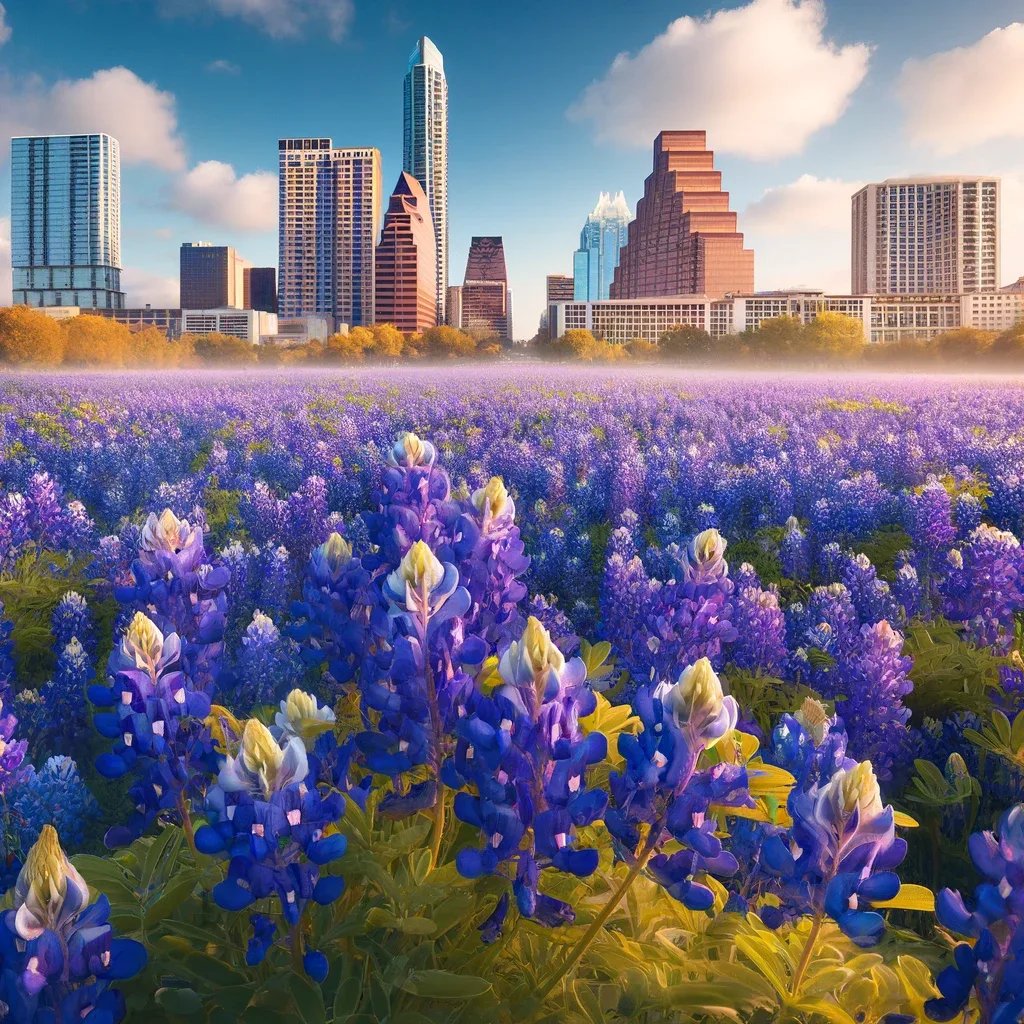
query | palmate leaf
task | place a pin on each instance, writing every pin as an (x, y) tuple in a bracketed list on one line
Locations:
[(1001, 738)]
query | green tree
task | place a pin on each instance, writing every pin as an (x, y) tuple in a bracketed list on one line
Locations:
[(964, 344), (686, 342), (30, 338), (224, 349)]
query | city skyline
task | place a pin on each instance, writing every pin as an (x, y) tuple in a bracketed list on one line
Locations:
[(198, 122)]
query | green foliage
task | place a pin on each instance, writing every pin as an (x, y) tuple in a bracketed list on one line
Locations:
[(883, 546), (949, 674), (766, 697), (998, 736)]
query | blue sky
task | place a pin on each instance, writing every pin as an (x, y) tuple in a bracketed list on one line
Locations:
[(803, 101)]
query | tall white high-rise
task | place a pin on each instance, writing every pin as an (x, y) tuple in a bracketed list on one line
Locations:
[(933, 236), (66, 221), (425, 146), (329, 213)]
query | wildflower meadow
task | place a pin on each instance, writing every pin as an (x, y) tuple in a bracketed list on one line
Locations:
[(549, 694)]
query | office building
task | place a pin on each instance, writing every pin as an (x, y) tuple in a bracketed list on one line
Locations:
[(559, 288), (66, 221), (211, 277), (406, 271), (425, 148), (930, 236), (486, 300), (247, 324), (453, 306), (885, 318), (139, 318), (259, 289), (603, 235), (684, 240), (329, 223)]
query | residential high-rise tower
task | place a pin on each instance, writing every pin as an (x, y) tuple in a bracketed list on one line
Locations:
[(66, 221), (329, 223), (684, 240), (936, 235), (406, 278), (603, 235), (425, 148)]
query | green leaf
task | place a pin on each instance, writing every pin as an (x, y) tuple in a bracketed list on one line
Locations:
[(347, 998), (308, 999), (173, 897), (445, 985), (183, 1002)]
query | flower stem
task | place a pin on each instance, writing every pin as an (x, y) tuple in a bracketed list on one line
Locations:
[(186, 823), (435, 845), (598, 923), (805, 957)]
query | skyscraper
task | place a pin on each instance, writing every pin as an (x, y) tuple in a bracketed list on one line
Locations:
[(211, 277), (425, 147), (684, 240), (406, 270), (329, 222), (66, 221), (558, 288), (936, 235), (259, 289), (603, 235), (486, 300)]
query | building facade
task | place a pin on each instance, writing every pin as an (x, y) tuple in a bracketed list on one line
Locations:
[(329, 222), (684, 239), (425, 149), (211, 277), (485, 299), (259, 289), (885, 318), (139, 318), (66, 221), (559, 288), (926, 236), (406, 271), (247, 324), (603, 235)]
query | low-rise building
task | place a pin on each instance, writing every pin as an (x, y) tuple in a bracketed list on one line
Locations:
[(248, 324)]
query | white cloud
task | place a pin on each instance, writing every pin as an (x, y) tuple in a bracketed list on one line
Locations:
[(212, 193), (142, 287), (280, 19), (5, 261), (800, 232), (115, 100), (968, 95), (761, 78), (223, 67), (5, 29)]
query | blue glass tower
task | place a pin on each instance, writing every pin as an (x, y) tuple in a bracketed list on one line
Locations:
[(594, 262), (66, 221)]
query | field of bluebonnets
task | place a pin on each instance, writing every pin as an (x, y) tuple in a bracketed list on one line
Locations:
[(448, 696)]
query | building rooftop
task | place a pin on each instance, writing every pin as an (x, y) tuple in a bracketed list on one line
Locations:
[(425, 52)]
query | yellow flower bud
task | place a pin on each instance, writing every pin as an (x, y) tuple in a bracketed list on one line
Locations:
[(540, 650), (45, 870), (856, 788), (143, 641), (813, 716), (708, 545), (492, 499), (337, 550), (260, 753), (413, 447), (420, 567)]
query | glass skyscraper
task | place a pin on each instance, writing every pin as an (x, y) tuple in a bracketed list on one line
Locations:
[(66, 221), (425, 147), (594, 262)]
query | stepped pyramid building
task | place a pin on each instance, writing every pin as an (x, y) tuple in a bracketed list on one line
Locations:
[(684, 240)]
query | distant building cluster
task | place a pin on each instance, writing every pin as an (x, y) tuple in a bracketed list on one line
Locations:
[(924, 258), (343, 259)]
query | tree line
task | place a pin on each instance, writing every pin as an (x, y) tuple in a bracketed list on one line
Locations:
[(830, 339), (30, 338)]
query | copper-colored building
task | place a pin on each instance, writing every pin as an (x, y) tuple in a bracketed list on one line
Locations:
[(486, 299), (406, 261), (684, 240)]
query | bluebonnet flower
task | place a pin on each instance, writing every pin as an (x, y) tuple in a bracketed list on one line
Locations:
[(156, 723), (664, 791), (72, 620), (267, 665), (277, 829), (810, 744), (906, 585), (839, 853), (760, 643), (525, 755), (795, 551), (992, 969), (58, 952), (55, 795), (66, 712)]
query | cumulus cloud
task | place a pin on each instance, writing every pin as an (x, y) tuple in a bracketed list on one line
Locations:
[(968, 95), (801, 234), (144, 288), (115, 100), (214, 194), (762, 78), (222, 67), (5, 29), (5, 261), (280, 19)]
